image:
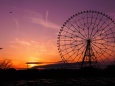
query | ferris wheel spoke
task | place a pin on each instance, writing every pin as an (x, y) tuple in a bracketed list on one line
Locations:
[(104, 39), (87, 18), (73, 40), (92, 30), (91, 18), (75, 56), (108, 25), (100, 26), (71, 34), (84, 32), (72, 44), (106, 34), (98, 29), (69, 47), (78, 25), (109, 29), (78, 31), (84, 21), (81, 47), (99, 56), (88, 33), (75, 52), (79, 57), (94, 25), (67, 52), (80, 53), (85, 25), (81, 28), (70, 56), (68, 33), (105, 52), (67, 44), (97, 26), (103, 29), (98, 47), (70, 29), (100, 20), (71, 37), (107, 48), (88, 26), (106, 57), (104, 44), (78, 37)]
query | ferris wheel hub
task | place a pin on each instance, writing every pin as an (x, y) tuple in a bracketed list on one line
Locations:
[(89, 41)]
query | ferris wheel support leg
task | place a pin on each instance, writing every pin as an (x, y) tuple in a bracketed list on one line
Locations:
[(82, 63)]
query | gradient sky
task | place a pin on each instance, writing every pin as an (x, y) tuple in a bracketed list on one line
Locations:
[(29, 32)]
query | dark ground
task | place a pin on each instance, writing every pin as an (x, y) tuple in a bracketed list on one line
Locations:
[(100, 81), (58, 77)]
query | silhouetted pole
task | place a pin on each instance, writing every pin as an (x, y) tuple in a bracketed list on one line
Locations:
[(1, 48)]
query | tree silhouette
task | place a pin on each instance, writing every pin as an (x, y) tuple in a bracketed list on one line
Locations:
[(5, 64)]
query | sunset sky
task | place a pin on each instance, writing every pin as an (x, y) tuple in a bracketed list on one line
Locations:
[(29, 28)]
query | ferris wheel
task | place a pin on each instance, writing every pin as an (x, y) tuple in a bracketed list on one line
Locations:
[(88, 39)]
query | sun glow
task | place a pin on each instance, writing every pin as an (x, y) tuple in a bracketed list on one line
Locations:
[(31, 65)]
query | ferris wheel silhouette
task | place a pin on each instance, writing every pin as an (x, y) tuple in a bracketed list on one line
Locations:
[(87, 38)]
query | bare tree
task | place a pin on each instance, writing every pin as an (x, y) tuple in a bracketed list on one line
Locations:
[(5, 64)]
